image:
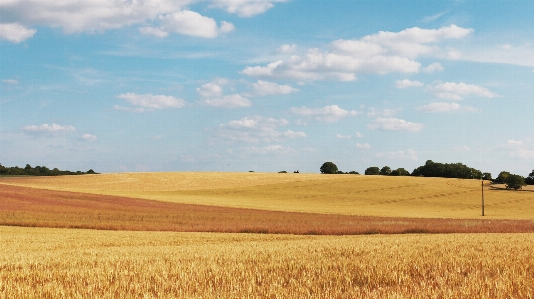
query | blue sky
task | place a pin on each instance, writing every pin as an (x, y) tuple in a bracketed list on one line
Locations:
[(266, 85)]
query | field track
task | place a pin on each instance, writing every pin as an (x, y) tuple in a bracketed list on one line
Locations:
[(22, 206)]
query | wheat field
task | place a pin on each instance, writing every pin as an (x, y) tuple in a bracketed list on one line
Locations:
[(66, 263), (414, 197)]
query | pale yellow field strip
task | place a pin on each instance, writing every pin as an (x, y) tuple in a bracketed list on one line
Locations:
[(336, 194), (63, 263)]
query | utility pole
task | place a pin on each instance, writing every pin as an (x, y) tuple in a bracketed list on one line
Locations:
[(482, 197)]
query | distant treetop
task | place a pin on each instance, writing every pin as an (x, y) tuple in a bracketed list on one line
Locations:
[(39, 171)]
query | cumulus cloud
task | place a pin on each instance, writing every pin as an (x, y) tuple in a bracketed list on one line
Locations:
[(89, 137), (158, 17), (394, 124), (264, 88), (285, 49), (48, 129), (457, 91), (327, 114), (255, 129), (339, 136), (359, 135), (142, 103), (228, 101), (245, 8), (380, 53), (15, 33), (187, 22), (409, 154), (363, 146), (213, 94), (407, 83), (434, 67)]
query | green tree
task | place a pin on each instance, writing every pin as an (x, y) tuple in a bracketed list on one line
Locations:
[(514, 181), (328, 168), (530, 179), (372, 171), (486, 176), (502, 176), (386, 170)]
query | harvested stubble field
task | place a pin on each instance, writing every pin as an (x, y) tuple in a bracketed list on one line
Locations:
[(66, 263)]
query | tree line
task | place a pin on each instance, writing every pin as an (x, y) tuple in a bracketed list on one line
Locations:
[(446, 170), (39, 171)]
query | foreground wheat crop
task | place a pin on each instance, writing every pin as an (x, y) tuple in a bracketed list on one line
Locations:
[(333, 194), (63, 263)]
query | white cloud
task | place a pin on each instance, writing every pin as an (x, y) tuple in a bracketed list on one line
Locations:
[(157, 32), (89, 137), (457, 91), (439, 107), (158, 17), (434, 67), (409, 154), (521, 149), (192, 23), (145, 102), (88, 16), (15, 33), (264, 88), (285, 49), (245, 8), (228, 101), (519, 54), (359, 135), (213, 91), (363, 146), (327, 114), (10, 81), (255, 129), (384, 113), (226, 27), (339, 136), (381, 53), (48, 129), (270, 149), (394, 124), (213, 88), (407, 83)]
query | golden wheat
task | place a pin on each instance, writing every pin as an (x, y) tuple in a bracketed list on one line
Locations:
[(52, 263), (333, 194)]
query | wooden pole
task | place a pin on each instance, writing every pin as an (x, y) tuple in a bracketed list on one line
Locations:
[(482, 197)]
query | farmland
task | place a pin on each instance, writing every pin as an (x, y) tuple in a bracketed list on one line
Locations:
[(312, 193), (51, 263), (253, 235)]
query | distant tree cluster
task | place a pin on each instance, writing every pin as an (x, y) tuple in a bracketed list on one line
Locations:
[(39, 171), (433, 169), (515, 181), (331, 168), (445, 170), (386, 170)]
